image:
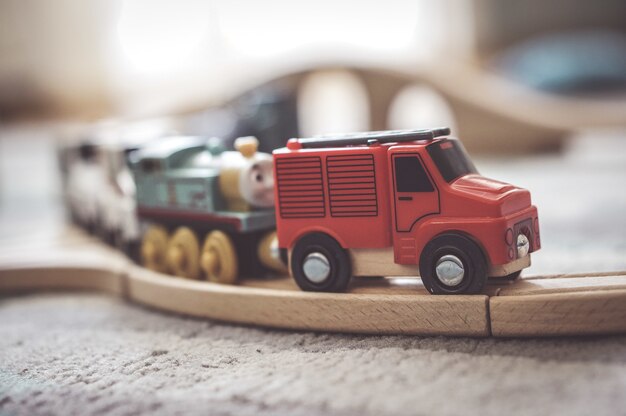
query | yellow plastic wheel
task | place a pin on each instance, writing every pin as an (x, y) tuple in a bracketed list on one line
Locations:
[(269, 253), (183, 254), (219, 258), (154, 248)]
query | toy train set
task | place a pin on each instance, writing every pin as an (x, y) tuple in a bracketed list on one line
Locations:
[(394, 203)]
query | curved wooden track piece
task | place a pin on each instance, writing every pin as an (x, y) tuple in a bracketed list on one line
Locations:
[(537, 306)]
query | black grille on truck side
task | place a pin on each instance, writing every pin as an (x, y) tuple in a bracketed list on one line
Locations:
[(300, 187), (352, 186)]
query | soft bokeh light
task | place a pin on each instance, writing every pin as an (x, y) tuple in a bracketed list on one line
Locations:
[(267, 28), (332, 101), (161, 37), (420, 105)]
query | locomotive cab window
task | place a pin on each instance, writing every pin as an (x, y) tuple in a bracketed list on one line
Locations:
[(410, 175)]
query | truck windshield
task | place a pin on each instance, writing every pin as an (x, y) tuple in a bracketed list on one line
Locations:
[(451, 159)]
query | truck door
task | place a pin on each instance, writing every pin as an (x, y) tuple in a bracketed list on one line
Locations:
[(415, 193)]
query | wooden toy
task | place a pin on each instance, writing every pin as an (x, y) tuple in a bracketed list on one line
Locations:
[(209, 211), (398, 203)]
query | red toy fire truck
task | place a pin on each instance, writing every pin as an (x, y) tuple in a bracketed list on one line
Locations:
[(394, 203)]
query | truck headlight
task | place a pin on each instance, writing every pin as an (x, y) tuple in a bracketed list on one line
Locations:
[(523, 245)]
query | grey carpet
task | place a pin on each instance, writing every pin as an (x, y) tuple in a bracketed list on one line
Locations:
[(90, 354)]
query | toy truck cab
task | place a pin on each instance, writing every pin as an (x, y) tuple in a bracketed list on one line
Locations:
[(399, 203)]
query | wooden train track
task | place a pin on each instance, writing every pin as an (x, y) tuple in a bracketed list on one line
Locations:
[(534, 306)]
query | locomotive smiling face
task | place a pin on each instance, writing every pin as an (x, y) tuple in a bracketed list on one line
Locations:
[(256, 182), (246, 177)]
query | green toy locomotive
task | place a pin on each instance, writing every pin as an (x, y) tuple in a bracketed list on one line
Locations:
[(207, 211)]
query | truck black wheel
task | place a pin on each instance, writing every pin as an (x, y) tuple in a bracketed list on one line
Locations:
[(509, 277), (320, 264), (453, 264)]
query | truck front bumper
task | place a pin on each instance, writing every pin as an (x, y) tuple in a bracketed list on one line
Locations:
[(501, 270)]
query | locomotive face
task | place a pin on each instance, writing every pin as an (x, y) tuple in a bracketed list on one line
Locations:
[(257, 182)]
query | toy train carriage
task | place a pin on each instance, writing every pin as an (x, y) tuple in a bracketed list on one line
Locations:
[(82, 174), (189, 190), (98, 187)]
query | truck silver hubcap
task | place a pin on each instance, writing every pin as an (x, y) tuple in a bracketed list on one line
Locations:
[(316, 267), (450, 270), (523, 245)]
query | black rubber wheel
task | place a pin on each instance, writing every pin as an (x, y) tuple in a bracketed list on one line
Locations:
[(338, 262), (284, 256), (503, 280), (132, 250), (509, 277), (474, 270), (246, 246)]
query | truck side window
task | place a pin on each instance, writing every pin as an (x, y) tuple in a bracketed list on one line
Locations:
[(410, 175)]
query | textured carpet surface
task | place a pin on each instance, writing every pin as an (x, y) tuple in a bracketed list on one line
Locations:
[(89, 354), (86, 354)]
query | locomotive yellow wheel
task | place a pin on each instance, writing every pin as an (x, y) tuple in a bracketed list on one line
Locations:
[(269, 253), (183, 254), (154, 248), (219, 258)]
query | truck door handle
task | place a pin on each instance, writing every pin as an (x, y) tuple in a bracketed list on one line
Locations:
[(405, 198)]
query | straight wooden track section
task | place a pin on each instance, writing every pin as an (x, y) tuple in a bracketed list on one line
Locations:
[(535, 306)]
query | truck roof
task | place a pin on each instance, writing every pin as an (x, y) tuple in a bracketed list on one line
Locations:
[(367, 138)]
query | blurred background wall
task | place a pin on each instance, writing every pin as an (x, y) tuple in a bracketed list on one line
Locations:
[(532, 70), (94, 58)]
